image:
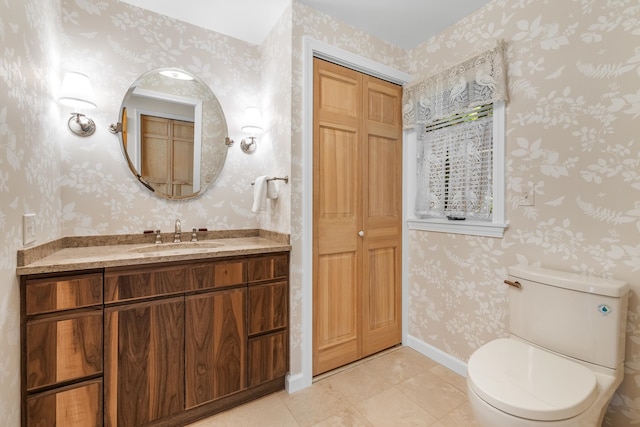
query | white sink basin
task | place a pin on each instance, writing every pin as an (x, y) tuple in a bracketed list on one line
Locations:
[(178, 248)]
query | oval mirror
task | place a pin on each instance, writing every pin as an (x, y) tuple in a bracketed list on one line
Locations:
[(173, 133)]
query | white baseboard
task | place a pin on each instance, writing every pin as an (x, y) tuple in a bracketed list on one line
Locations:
[(296, 382), (445, 359)]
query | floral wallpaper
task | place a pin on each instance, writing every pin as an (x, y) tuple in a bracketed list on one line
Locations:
[(29, 162), (574, 67), (114, 43)]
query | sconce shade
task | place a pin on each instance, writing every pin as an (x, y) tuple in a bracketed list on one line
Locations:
[(252, 122), (176, 74), (76, 91)]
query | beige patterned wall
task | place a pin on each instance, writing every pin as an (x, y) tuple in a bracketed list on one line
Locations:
[(114, 43), (276, 111), (29, 162), (572, 134), (574, 72)]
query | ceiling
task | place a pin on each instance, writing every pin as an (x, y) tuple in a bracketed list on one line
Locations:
[(405, 23)]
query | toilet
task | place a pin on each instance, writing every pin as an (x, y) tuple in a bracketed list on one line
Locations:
[(563, 359)]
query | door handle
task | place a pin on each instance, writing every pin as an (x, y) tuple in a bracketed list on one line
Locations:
[(361, 233)]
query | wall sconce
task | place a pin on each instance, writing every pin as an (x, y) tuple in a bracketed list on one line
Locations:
[(251, 124), (77, 92)]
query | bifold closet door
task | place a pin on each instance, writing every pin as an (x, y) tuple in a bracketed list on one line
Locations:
[(357, 215)]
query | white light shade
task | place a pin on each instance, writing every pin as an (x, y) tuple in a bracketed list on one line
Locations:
[(252, 122), (176, 74), (76, 91)]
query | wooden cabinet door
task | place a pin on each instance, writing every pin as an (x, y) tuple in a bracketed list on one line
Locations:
[(144, 361), (79, 405), (63, 348), (268, 335), (216, 345)]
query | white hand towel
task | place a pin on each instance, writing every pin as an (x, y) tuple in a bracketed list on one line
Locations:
[(259, 194), (272, 190)]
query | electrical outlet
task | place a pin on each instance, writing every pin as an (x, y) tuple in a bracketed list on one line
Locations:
[(28, 228), (527, 197)]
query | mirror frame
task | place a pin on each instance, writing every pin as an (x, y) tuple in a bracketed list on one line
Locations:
[(207, 113)]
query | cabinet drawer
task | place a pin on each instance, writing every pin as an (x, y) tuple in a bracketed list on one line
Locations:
[(217, 274), (125, 285), (63, 348), (268, 307), (268, 357), (77, 406), (63, 293), (269, 267)]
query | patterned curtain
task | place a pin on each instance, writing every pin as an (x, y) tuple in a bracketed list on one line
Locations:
[(477, 81), (452, 115)]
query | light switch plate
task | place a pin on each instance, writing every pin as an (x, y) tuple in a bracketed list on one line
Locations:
[(28, 228)]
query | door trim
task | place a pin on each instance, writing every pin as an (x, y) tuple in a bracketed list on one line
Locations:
[(314, 48)]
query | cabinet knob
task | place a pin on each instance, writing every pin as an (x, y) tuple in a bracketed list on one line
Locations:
[(361, 233)]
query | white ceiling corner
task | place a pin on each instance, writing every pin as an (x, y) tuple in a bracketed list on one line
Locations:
[(405, 23)]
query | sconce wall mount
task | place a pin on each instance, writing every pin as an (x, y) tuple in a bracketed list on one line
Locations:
[(81, 125), (251, 124), (76, 92), (248, 147)]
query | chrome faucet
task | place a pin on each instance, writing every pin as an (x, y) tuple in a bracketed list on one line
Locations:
[(176, 237)]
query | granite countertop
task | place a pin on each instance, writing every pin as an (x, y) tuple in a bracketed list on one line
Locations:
[(76, 253)]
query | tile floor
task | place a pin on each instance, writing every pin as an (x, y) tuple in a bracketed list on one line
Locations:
[(399, 387)]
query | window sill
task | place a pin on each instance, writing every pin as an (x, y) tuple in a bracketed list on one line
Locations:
[(473, 228)]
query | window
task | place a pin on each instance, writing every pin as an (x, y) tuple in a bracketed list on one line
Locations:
[(457, 118), (459, 174)]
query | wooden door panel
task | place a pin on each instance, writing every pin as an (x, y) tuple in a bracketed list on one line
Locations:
[(383, 103), (121, 284), (336, 296), (217, 275), (268, 357), (382, 324), (268, 307), (215, 345), (182, 157), (357, 188), (76, 406), (337, 92), (63, 293), (382, 255), (144, 358), (385, 179), (270, 267), (63, 349), (382, 298), (337, 154)]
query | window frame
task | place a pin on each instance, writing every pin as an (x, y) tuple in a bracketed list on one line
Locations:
[(494, 228)]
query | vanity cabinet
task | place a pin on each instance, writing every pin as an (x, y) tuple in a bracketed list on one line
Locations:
[(62, 350), (156, 345)]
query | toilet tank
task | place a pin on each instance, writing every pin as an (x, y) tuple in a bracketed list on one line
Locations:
[(579, 316)]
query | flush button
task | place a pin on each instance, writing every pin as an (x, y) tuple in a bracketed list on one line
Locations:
[(604, 309)]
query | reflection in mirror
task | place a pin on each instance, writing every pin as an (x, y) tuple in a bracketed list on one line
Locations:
[(173, 133)]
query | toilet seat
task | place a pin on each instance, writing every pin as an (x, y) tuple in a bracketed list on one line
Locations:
[(528, 382)]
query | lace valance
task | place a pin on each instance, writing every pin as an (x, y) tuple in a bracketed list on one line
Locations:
[(477, 81)]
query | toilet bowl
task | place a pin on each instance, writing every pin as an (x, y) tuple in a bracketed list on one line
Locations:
[(564, 357), (511, 383)]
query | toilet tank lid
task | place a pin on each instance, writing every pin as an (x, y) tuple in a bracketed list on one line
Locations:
[(573, 281)]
